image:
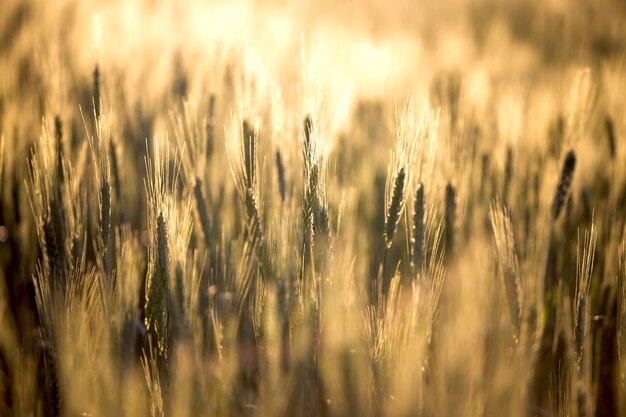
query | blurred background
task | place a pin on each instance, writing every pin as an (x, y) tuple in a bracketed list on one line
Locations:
[(502, 89)]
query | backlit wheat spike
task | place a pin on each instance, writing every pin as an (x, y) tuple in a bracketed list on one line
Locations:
[(151, 370), (2, 156), (311, 200), (249, 152), (56, 205), (450, 220), (157, 300), (484, 175), (585, 259), (508, 175), (610, 135), (97, 100), (58, 134), (529, 336), (395, 207), (115, 172), (580, 326), (241, 150), (59, 223), (393, 213), (308, 132), (280, 171), (582, 400), (203, 213), (169, 227), (210, 127), (252, 214), (513, 296), (398, 179), (507, 258), (419, 229), (77, 250), (563, 187), (53, 389), (162, 265), (105, 223), (283, 309), (99, 146), (322, 240), (52, 251), (621, 311), (179, 307), (316, 249)]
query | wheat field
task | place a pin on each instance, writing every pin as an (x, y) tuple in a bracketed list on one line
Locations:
[(312, 208)]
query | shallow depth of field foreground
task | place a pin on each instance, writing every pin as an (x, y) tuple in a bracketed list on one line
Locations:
[(313, 208)]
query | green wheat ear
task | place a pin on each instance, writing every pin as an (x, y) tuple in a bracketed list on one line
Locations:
[(394, 208)]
